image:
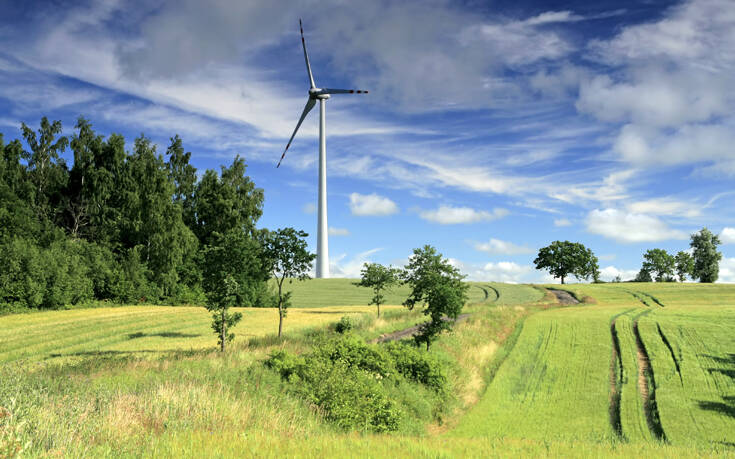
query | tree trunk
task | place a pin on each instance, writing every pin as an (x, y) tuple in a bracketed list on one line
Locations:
[(562, 279), (223, 332), (280, 307), (378, 310)]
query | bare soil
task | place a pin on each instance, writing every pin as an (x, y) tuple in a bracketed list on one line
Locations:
[(411, 331), (564, 297)]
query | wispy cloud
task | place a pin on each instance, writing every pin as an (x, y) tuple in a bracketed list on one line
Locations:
[(629, 228), (499, 247), (364, 205), (448, 215)]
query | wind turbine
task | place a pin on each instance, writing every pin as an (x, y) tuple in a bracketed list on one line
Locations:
[(320, 94)]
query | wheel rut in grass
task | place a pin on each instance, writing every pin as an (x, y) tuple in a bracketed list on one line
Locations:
[(647, 384), (671, 351), (639, 298), (616, 382), (497, 293), (653, 298)]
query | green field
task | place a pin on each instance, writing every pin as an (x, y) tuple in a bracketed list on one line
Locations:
[(530, 377)]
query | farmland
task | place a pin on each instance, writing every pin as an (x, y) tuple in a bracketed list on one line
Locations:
[(634, 369)]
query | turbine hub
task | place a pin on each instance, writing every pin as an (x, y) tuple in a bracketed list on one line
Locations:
[(317, 93)]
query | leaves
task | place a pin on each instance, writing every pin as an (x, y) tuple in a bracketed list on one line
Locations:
[(562, 258)]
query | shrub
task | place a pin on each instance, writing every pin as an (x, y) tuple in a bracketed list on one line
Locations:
[(354, 352), (344, 325), (418, 366)]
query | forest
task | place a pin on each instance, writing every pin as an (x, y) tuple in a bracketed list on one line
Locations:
[(122, 224)]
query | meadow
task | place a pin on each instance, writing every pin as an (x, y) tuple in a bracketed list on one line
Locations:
[(527, 375)]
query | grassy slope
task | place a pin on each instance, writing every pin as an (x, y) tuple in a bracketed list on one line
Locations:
[(177, 402)]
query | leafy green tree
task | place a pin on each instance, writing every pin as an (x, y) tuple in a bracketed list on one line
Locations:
[(379, 278), (184, 177), (226, 202), (286, 257), (47, 170), (659, 263), (232, 257), (17, 216), (705, 254), (684, 265), (643, 275), (562, 258), (438, 285)]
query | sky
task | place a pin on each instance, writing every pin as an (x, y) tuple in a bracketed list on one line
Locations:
[(491, 128)]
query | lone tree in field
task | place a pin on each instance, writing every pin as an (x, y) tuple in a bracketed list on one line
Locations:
[(659, 263), (379, 278), (705, 254), (438, 285), (684, 265), (226, 260), (286, 257), (562, 258)]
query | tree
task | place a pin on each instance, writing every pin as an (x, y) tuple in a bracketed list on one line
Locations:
[(658, 262), (684, 265), (643, 275), (705, 254), (286, 257), (47, 170), (562, 258), (379, 278), (228, 259), (438, 285)]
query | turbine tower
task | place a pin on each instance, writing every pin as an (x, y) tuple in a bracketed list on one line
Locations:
[(320, 94)]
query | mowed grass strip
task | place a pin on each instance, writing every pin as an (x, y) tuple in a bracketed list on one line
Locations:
[(554, 385), (696, 401), (142, 329)]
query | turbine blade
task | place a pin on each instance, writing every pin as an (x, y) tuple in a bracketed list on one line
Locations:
[(343, 91), (306, 57), (309, 105)]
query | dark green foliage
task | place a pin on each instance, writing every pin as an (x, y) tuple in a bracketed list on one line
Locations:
[(562, 258), (437, 285), (705, 254), (125, 226), (285, 256), (684, 265), (344, 325), (660, 263), (643, 275), (379, 278), (418, 366)]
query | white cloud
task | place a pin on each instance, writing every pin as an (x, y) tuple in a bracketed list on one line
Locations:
[(498, 247), (371, 205), (504, 271), (309, 208), (665, 206), (629, 227), (340, 266), (447, 215), (727, 271), (338, 231), (562, 222), (608, 273), (727, 236)]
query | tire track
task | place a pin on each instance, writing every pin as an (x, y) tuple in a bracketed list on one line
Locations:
[(671, 351), (647, 384), (497, 293), (653, 298), (616, 378)]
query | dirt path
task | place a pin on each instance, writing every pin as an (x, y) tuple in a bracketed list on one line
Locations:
[(564, 297), (410, 332), (616, 381)]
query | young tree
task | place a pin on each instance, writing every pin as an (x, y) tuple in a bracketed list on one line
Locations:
[(562, 258), (438, 285), (379, 278), (684, 265), (232, 256), (705, 254), (286, 257), (658, 262)]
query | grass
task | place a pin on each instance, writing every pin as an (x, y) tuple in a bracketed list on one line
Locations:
[(528, 378)]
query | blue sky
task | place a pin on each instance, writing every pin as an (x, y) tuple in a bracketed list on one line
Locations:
[(490, 130)]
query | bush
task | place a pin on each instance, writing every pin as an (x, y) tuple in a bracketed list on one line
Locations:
[(418, 366), (344, 325)]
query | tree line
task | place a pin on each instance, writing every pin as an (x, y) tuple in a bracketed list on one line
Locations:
[(701, 262), (123, 223)]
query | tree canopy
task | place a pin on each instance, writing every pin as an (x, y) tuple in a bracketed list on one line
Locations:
[(660, 264), (564, 258), (706, 257)]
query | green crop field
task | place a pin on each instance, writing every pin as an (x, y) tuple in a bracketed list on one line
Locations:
[(637, 369)]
